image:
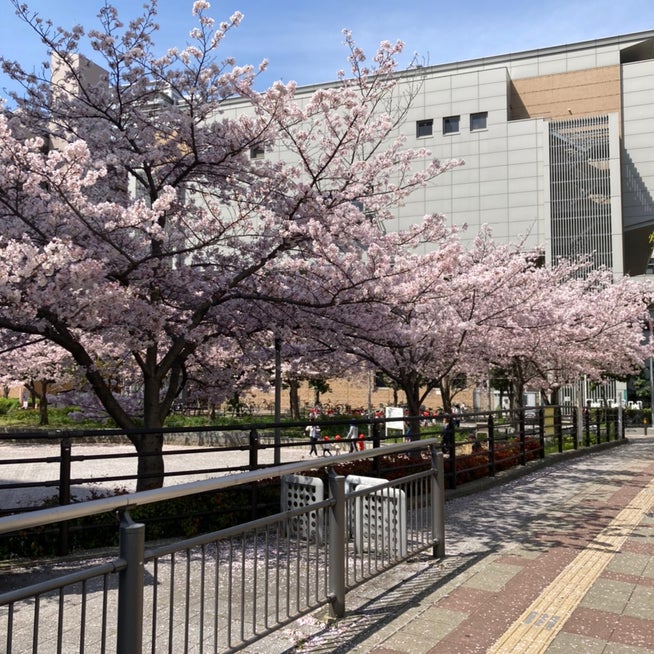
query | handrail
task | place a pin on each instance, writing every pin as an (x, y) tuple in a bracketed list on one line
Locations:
[(267, 572), (126, 502)]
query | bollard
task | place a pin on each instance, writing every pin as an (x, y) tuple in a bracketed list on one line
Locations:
[(337, 545), (130, 587), (438, 502)]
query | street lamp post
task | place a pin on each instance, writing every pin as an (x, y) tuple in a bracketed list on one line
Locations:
[(278, 399), (651, 390)]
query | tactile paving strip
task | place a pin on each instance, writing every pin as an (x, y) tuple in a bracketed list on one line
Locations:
[(537, 627)]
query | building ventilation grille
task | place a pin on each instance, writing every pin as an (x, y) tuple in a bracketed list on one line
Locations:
[(580, 189)]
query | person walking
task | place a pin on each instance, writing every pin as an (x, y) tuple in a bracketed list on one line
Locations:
[(314, 435), (326, 447), (447, 441), (352, 436)]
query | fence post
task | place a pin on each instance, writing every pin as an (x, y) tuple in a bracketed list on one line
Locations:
[(452, 459), (64, 491), (376, 443), (438, 502), (130, 587), (598, 426), (254, 449), (521, 427), (575, 429), (491, 446), (337, 529), (376, 435), (587, 425), (558, 426), (541, 432)]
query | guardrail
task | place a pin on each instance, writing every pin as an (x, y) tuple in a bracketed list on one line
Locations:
[(223, 590)]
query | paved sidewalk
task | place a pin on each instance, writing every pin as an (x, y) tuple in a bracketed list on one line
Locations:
[(558, 561)]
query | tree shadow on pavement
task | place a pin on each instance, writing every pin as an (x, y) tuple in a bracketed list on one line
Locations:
[(391, 599)]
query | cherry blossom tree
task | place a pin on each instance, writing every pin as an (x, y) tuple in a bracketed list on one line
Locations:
[(466, 311), (37, 364), (139, 222), (562, 322), (408, 330)]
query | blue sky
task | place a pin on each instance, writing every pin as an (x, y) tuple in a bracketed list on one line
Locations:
[(303, 41)]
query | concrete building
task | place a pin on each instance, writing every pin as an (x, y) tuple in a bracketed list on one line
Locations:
[(557, 143), (557, 146)]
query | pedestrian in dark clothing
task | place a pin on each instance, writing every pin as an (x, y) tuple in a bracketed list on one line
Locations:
[(326, 447), (447, 441)]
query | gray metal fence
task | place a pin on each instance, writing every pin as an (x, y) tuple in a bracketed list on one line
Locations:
[(221, 591)]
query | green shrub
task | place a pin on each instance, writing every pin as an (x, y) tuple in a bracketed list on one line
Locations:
[(182, 517), (6, 404)]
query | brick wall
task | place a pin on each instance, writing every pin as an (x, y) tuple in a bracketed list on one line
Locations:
[(352, 392)]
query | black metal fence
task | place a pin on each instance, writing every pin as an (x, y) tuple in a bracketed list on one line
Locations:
[(483, 445), (314, 553), (506, 439)]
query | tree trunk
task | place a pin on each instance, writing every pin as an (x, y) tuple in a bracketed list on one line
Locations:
[(149, 447), (294, 398), (43, 405), (518, 394), (446, 395), (412, 392), (150, 470)]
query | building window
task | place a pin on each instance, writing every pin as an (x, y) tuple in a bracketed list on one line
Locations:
[(478, 121), (424, 128), (451, 124), (257, 152)]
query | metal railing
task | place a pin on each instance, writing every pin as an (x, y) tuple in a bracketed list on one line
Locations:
[(497, 441), (71, 454), (220, 591), (511, 438)]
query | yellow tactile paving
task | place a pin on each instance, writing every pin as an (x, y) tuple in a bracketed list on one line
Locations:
[(537, 627)]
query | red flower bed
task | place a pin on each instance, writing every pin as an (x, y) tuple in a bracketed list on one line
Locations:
[(475, 466)]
